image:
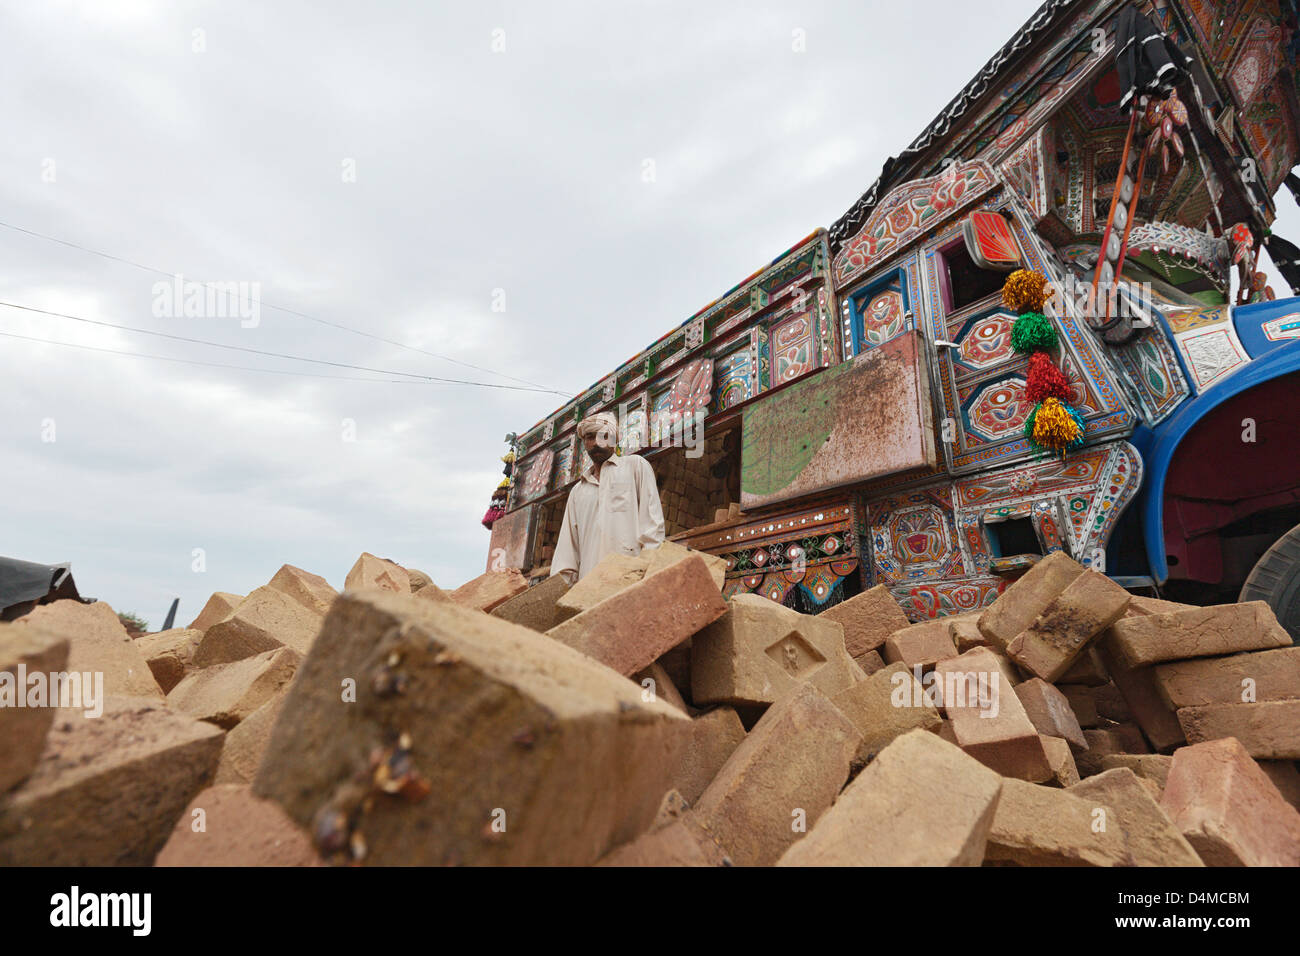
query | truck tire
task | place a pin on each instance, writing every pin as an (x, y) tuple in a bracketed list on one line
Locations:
[(1275, 578)]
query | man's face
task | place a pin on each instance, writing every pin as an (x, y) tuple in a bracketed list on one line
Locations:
[(599, 445)]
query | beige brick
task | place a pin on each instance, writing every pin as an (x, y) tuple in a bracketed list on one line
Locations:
[(1086, 669), (224, 694), (489, 589), (217, 609), (1269, 730), (868, 618), (669, 553), (787, 770), (534, 608), (491, 716), (1228, 809), (921, 802), (661, 685), (107, 789), (310, 590), (1065, 773), (97, 643), (1049, 711), (169, 654), (1285, 776), (266, 620), (888, 704), (372, 572), (870, 662), (760, 651), (1043, 826), (680, 843), (1027, 597), (715, 735), (1267, 675), (1050, 645), (418, 580), (25, 651), (614, 573), (1152, 837), (1147, 605), (241, 754), (1111, 704), (239, 830), (1197, 632), (965, 631), (920, 645), (992, 725), (633, 627)]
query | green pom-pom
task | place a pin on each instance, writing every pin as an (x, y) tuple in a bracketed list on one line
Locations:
[(1033, 332)]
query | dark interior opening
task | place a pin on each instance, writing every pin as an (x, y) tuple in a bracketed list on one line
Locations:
[(967, 281), (1013, 536)]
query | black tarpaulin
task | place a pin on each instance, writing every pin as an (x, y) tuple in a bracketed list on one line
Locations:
[(25, 583), (1147, 60)]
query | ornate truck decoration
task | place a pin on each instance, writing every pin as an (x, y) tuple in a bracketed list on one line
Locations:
[(1042, 328)]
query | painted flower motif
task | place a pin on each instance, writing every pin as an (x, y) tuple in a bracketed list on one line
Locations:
[(1164, 116)]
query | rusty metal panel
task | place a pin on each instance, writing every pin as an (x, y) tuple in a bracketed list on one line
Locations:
[(511, 537), (855, 422)]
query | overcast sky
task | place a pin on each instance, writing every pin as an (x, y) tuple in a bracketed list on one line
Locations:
[(381, 166)]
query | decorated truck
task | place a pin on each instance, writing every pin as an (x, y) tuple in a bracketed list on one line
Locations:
[(1043, 327)]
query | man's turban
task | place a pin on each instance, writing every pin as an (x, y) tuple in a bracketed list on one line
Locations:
[(592, 425)]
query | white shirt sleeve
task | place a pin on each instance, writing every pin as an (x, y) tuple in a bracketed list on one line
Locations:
[(650, 515)]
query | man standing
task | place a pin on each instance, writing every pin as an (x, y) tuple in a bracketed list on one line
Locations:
[(613, 509)]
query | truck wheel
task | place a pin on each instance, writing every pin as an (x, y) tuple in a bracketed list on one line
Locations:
[(1275, 578)]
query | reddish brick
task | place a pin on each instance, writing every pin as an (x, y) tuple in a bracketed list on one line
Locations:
[(1083, 701), (633, 627), (1228, 809), (612, 574), (869, 619), (239, 829), (25, 651), (1102, 742), (218, 608), (669, 553), (1152, 837), (1049, 711), (1197, 632), (870, 662), (1141, 695), (535, 608), (1269, 730), (886, 705), (1027, 597), (715, 735), (996, 731), (1043, 826), (1064, 771), (1241, 678), (489, 589)]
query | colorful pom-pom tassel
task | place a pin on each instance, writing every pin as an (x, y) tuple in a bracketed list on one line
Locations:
[(1054, 426), (1044, 380), (1025, 291), (1033, 332)]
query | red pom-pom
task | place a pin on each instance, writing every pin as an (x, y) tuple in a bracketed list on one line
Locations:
[(1045, 380)]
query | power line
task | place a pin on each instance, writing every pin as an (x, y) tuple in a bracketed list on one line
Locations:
[(278, 308), (241, 368), (281, 355)]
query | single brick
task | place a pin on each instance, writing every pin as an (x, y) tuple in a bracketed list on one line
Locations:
[(1228, 809), (97, 643), (1285, 776), (218, 608), (869, 619), (760, 651), (1152, 837), (870, 662), (683, 842), (25, 651), (1065, 773), (715, 735), (1086, 669), (239, 829), (372, 572), (965, 631), (1197, 632), (654, 679), (1141, 695), (310, 590), (920, 645), (488, 590), (921, 802), (987, 717), (225, 694), (1105, 741), (1027, 597), (108, 789), (241, 754), (632, 628), (669, 553), (1083, 701), (888, 704), (614, 573), (1050, 645), (534, 608), (1262, 675), (1043, 826), (169, 654), (479, 724), (1049, 711), (1149, 767), (780, 780), (1269, 730)]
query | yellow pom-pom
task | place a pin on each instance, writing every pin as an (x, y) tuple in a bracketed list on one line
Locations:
[(1055, 427), (1025, 291)]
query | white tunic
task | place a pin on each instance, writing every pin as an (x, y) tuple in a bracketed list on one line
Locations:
[(617, 513)]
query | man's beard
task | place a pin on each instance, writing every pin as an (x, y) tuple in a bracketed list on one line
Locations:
[(600, 455)]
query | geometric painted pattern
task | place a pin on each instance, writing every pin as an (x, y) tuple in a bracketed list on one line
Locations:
[(792, 347), (998, 409), (883, 318), (985, 341)]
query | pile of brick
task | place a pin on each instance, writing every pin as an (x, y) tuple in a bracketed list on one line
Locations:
[(638, 718)]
